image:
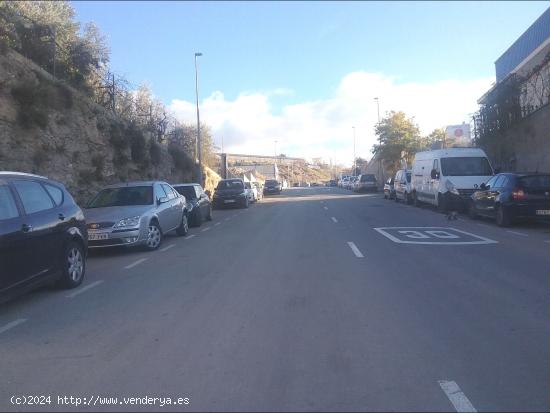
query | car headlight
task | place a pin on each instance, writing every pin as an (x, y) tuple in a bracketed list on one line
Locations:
[(451, 187), (128, 222)]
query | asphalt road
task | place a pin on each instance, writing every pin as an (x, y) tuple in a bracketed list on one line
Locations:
[(311, 300)]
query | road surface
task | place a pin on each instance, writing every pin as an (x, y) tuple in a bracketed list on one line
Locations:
[(316, 299)]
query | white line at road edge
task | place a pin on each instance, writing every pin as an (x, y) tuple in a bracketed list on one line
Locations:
[(217, 223), (189, 237), (517, 233), (132, 265), (334, 219), (205, 229), (84, 289), (11, 325), (456, 396), (355, 249), (227, 219), (168, 247)]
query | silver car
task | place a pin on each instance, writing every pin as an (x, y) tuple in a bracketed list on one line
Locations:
[(135, 213)]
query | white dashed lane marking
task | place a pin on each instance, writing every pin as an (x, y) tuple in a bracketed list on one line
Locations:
[(355, 250), (12, 324), (517, 233), (217, 223), (205, 229), (190, 236), (84, 289), (458, 399), (326, 208), (334, 220), (132, 265), (167, 247)]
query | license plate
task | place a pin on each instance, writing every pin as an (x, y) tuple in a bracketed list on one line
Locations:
[(229, 201), (97, 237), (543, 211)]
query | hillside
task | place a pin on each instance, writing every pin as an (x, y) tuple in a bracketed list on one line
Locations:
[(49, 128)]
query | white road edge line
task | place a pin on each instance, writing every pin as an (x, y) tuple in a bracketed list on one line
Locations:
[(167, 247), (217, 223), (84, 289), (334, 220), (456, 396), (226, 219), (355, 250), (132, 265), (11, 325), (517, 233), (205, 229), (189, 237)]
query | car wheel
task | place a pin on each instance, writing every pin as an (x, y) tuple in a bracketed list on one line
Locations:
[(246, 203), (441, 203), (74, 266), (472, 210), (154, 236), (183, 229), (209, 216), (197, 218), (503, 217)]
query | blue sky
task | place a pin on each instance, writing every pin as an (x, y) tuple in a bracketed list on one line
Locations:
[(295, 53)]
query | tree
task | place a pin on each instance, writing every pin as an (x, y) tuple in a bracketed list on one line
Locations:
[(435, 139), (398, 138)]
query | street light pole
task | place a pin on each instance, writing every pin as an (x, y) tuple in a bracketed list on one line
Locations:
[(354, 167), (199, 147), (378, 108)]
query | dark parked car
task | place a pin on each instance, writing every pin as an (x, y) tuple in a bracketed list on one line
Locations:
[(510, 196), (230, 192), (199, 207), (366, 182), (43, 234), (272, 186), (389, 189), (333, 182)]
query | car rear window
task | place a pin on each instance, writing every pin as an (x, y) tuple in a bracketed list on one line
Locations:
[(187, 191), (230, 185), (271, 182), (125, 196), (368, 178), (534, 181)]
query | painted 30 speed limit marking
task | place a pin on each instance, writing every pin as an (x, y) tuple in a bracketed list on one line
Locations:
[(432, 236)]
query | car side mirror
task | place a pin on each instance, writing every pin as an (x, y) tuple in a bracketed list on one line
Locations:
[(162, 200), (434, 174)]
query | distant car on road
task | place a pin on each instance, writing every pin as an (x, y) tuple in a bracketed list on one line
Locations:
[(231, 192), (272, 186), (43, 235), (333, 182), (135, 213), (507, 197), (367, 182), (389, 189), (402, 186), (251, 191), (199, 207)]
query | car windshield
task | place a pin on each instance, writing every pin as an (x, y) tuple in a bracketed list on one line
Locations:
[(230, 185), (187, 191), (534, 181), (271, 182), (466, 166), (124, 196)]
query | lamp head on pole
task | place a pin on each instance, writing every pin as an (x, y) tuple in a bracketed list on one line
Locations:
[(198, 54)]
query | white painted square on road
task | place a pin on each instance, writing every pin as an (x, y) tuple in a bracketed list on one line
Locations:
[(432, 236)]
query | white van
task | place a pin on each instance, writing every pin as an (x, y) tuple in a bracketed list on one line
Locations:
[(447, 178)]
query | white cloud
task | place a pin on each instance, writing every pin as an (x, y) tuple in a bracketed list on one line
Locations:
[(323, 128)]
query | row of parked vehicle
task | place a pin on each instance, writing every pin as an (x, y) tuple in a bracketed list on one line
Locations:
[(462, 179), (360, 183), (45, 235)]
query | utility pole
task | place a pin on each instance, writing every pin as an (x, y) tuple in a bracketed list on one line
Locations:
[(199, 148), (354, 167)]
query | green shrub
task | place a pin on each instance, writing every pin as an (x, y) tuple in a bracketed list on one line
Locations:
[(117, 137), (181, 160), (137, 144), (39, 158), (98, 162)]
